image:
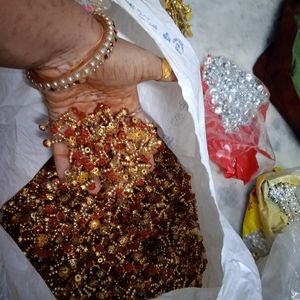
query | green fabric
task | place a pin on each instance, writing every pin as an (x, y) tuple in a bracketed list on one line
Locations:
[(296, 57)]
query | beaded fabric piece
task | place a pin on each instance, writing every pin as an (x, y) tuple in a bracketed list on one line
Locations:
[(106, 247)]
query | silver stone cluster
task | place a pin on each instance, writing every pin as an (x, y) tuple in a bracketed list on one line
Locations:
[(257, 243), (284, 195), (235, 94)]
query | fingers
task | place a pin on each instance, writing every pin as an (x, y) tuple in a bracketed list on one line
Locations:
[(130, 64), (61, 159)]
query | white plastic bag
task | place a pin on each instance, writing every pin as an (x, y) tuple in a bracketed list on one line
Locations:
[(281, 274), (178, 110)]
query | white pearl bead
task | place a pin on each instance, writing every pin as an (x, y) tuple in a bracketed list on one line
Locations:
[(93, 63), (48, 86), (70, 79), (62, 82), (54, 84)]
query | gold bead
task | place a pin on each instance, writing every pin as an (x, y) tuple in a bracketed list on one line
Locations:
[(47, 143), (64, 272), (94, 224), (41, 240), (78, 278), (43, 127)]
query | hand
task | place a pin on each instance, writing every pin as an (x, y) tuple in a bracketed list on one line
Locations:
[(114, 83)]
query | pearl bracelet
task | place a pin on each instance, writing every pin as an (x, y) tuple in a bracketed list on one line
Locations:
[(79, 73)]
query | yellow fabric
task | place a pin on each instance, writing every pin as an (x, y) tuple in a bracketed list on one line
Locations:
[(252, 220), (262, 213)]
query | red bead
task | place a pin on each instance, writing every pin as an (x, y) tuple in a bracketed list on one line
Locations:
[(152, 270), (106, 266), (112, 176), (69, 132), (121, 250), (90, 263), (128, 267), (97, 148), (102, 162), (81, 222), (107, 148), (120, 194), (91, 186), (138, 204), (53, 222), (144, 159), (62, 186), (101, 214), (140, 195), (55, 180), (39, 229), (132, 231), (60, 215), (144, 234), (109, 137), (84, 133), (41, 252), (119, 147), (141, 125), (188, 177), (67, 248), (99, 248), (80, 140), (121, 135), (85, 160), (120, 270), (161, 148), (81, 115), (53, 129), (49, 208), (95, 216), (89, 166), (24, 219), (65, 229), (140, 182), (76, 154), (134, 245), (78, 163)]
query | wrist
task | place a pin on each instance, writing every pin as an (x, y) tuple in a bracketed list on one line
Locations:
[(70, 73), (81, 47)]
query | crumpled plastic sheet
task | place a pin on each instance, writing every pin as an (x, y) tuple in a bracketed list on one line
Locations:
[(281, 273)]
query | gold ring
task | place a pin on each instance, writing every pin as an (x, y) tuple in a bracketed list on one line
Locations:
[(166, 69)]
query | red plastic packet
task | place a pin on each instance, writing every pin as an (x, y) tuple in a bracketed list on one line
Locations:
[(235, 151)]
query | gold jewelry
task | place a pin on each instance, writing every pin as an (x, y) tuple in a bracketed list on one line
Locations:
[(181, 14), (111, 246), (166, 69), (120, 145), (79, 73)]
